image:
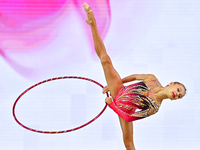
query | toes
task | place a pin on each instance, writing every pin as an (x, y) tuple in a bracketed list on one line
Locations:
[(86, 7)]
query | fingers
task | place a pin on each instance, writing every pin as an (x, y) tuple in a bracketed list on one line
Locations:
[(108, 100), (105, 89)]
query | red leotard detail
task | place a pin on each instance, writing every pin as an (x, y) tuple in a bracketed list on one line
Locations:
[(132, 102)]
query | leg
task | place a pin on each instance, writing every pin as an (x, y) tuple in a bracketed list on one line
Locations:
[(113, 79), (127, 130)]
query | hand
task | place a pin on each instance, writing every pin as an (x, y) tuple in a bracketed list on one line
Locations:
[(108, 100), (105, 89)]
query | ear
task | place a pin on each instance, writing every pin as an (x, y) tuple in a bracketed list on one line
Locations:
[(171, 83)]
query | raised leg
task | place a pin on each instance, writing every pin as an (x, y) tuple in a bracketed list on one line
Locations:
[(113, 79)]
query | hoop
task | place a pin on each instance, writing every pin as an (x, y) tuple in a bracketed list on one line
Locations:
[(55, 132)]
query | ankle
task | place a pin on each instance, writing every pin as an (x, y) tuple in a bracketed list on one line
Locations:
[(91, 22)]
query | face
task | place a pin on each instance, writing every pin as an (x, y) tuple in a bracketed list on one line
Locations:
[(176, 91)]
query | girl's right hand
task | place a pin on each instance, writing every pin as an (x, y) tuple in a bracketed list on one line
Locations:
[(108, 100)]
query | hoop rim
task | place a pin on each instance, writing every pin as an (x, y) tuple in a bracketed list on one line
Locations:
[(52, 79)]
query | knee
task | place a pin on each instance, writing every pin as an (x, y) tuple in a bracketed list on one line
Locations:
[(105, 60), (129, 145)]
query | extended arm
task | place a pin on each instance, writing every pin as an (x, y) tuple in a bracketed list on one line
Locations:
[(134, 77)]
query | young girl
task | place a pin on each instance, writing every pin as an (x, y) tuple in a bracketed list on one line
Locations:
[(135, 101)]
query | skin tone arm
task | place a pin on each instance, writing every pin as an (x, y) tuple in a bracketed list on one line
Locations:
[(134, 77)]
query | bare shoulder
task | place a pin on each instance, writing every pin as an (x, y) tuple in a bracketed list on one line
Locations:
[(145, 77), (150, 77)]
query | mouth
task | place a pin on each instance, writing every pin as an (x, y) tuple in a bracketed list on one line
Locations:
[(173, 94)]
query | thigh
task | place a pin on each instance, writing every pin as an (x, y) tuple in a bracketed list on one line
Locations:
[(113, 79), (127, 130)]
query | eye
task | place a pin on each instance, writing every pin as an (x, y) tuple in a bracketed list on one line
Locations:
[(179, 96), (178, 90)]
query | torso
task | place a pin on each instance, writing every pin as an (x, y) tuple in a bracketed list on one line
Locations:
[(153, 85), (136, 101)]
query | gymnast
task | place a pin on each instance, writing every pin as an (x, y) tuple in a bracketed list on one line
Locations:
[(135, 101)]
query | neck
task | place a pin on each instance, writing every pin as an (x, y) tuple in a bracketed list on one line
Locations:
[(161, 93)]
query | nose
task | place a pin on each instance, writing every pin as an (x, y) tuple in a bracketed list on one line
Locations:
[(176, 95)]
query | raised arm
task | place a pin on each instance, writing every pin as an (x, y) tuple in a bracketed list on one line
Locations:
[(134, 77)]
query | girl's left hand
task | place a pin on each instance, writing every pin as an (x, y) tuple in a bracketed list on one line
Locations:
[(105, 89)]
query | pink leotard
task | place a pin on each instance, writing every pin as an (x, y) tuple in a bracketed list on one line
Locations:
[(132, 102)]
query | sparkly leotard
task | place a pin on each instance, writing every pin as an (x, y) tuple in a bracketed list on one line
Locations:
[(132, 102)]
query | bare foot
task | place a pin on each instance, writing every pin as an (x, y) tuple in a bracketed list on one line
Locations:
[(90, 16)]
